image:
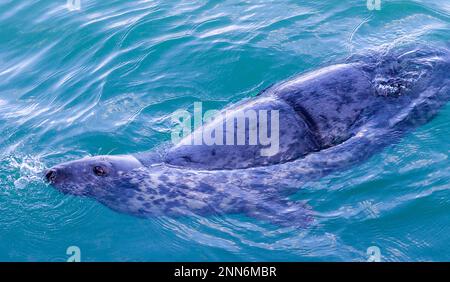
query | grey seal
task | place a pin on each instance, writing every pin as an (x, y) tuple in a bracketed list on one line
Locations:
[(331, 118)]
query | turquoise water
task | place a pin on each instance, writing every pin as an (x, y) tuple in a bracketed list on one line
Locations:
[(106, 78)]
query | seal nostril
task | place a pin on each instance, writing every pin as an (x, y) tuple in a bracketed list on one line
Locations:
[(50, 175)]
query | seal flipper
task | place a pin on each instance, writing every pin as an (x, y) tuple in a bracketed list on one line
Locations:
[(281, 212)]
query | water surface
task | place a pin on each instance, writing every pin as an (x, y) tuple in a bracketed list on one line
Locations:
[(106, 78)]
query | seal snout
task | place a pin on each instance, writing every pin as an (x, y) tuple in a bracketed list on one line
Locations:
[(50, 175)]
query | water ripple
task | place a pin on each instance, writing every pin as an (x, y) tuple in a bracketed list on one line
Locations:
[(106, 79)]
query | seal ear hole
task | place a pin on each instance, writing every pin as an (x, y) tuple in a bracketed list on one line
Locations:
[(99, 170)]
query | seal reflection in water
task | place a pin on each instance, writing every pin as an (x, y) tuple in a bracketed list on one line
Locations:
[(330, 119)]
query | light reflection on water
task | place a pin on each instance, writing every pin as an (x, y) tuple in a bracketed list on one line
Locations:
[(107, 77)]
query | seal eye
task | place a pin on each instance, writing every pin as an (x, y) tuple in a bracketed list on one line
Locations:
[(99, 171)]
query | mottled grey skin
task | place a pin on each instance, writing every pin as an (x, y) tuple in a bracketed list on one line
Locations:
[(329, 119)]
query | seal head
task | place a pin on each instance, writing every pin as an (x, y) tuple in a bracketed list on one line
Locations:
[(81, 177)]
